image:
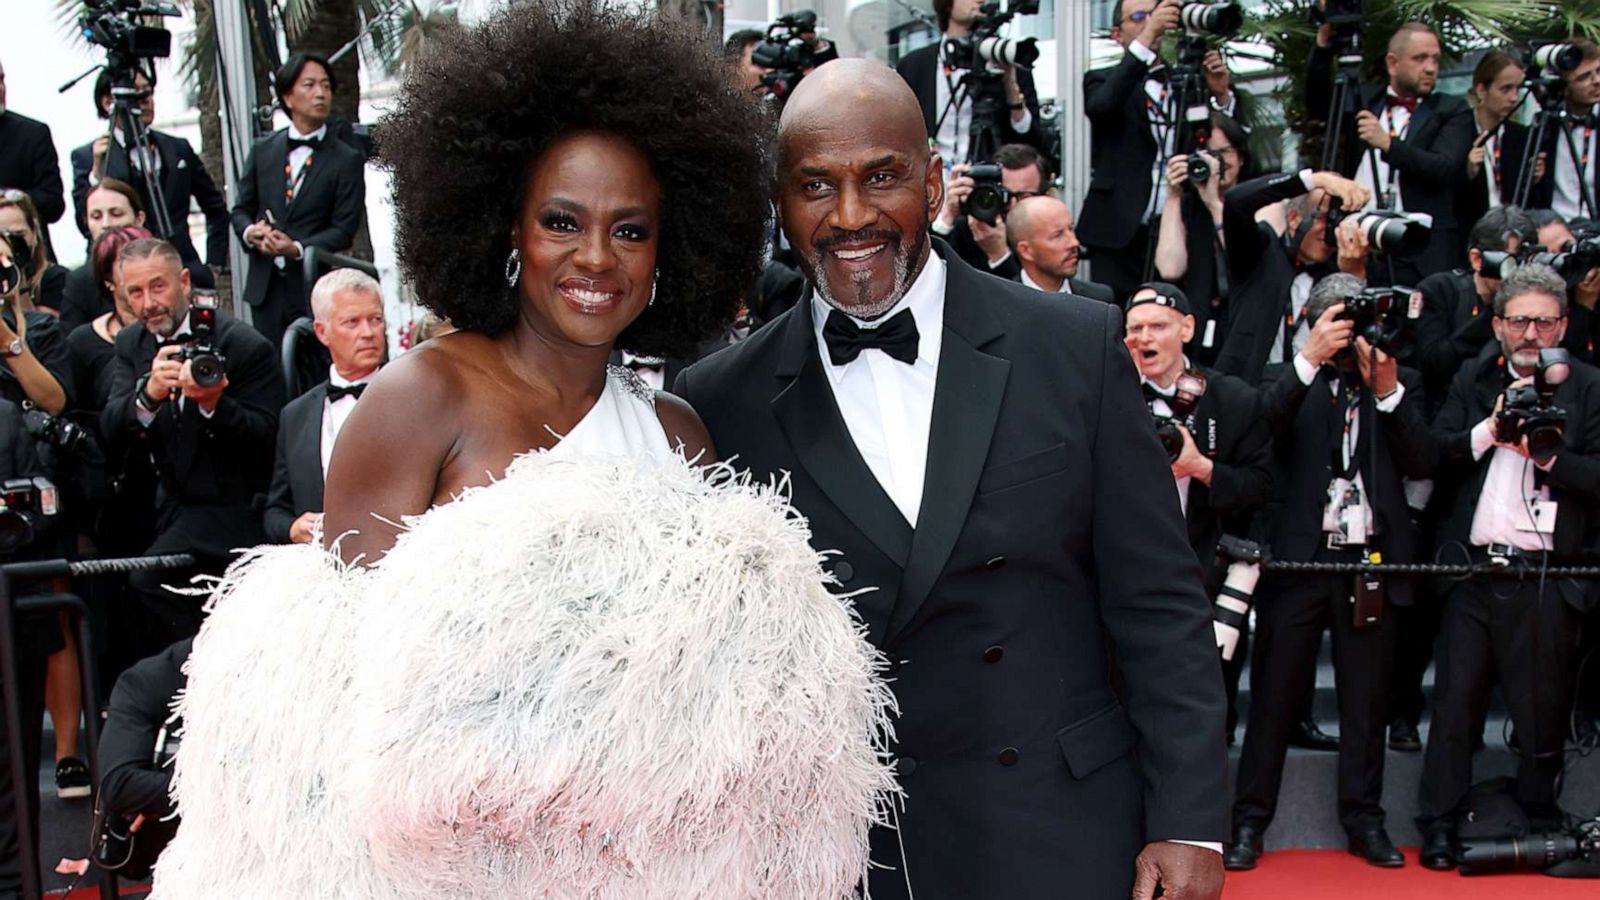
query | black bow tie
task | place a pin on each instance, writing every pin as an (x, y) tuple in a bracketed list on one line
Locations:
[(896, 337), (336, 392), (176, 340), (1151, 395), (313, 144), (653, 363)]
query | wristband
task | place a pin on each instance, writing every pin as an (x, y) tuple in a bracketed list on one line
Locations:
[(141, 396)]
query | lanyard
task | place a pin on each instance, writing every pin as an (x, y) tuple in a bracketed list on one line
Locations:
[(293, 184), (1345, 462), (1394, 134), (1583, 167)]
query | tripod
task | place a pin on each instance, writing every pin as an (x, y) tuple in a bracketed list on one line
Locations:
[(1552, 111), (1186, 112), (126, 119), (1344, 105)]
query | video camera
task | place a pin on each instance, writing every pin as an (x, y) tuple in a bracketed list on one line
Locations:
[(1205, 18), (1385, 316), (984, 46), (1188, 389), (1348, 18), (26, 504), (114, 25), (790, 50), (1397, 233), (206, 362), (1574, 853), (1529, 410)]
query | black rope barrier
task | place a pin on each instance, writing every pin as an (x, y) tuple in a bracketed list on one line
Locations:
[(1515, 568)]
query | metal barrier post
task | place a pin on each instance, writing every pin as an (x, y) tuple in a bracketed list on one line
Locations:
[(27, 848)]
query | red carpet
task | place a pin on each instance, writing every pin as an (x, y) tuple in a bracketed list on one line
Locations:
[(1336, 875)]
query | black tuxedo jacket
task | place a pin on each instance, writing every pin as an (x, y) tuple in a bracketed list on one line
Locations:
[(1261, 268), (28, 162), (1121, 152), (325, 212), (183, 176), (920, 68), (1227, 430), (1431, 159), (1544, 191), (1049, 549), (297, 465), (1473, 200), (1454, 327), (212, 470), (1307, 424), (1574, 480), (1200, 281)]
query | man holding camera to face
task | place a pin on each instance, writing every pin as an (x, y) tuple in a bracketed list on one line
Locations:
[(1221, 451), (1347, 427), (977, 200), (1519, 455), (205, 391)]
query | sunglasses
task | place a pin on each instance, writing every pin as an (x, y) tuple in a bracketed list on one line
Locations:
[(1138, 15)]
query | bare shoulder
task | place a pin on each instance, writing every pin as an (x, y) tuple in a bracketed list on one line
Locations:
[(683, 426)]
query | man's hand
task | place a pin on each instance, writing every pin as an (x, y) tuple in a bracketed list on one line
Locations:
[(1163, 17), (280, 244), (1382, 379), (1218, 81), (98, 151), (1329, 335), (1350, 194), (165, 373), (1191, 463), (1177, 172), (1538, 166), (1476, 155), (1353, 248), (1587, 293), (205, 397), (956, 191), (1184, 872), (301, 532), (255, 234), (992, 238), (1372, 132)]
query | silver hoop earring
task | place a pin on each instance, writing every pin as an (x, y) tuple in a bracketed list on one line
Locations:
[(655, 283), (513, 267)]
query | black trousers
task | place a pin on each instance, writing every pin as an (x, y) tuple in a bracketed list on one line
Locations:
[(1525, 637), (284, 303), (1123, 268), (30, 685), (1290, 617), (166, 616), (1418, 632)]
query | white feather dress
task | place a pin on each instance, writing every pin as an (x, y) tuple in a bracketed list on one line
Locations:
[(603, 676)]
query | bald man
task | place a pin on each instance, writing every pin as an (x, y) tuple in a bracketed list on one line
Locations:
[(980, 456), (1041, 235), (1407, 142)]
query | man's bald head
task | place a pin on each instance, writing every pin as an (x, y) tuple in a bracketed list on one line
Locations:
[(1030, 214), (853, 96), (1040, 231)]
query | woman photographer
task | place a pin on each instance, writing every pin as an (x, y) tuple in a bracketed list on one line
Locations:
[(43, 281)]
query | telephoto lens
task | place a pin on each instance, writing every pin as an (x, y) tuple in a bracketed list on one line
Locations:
[(1219, 19), (1557, 57), (1231, 609)]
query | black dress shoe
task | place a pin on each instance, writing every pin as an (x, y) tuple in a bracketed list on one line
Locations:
[(1242, 854), (1307, 736), (1439, 850), (1374, 845), (1403, 737)]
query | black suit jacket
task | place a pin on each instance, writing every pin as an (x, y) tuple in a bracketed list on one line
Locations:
[(1574, 479), (1544, 192), (48, 344), (28, 162), (212, 470), (1473, 200), (183, 176), (1454, 327), (1049, 548), (325, 212), (1261, 268), (297, 465), (1227, 431), (1121, 153), (1431, 159), (1307, 427), (920, 68)]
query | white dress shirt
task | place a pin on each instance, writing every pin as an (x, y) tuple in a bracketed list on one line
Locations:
[(1492, 146), (1374, 171), (1166, 137), (1299, 294), (298, 157), (1505, 504), (955, 122), (1159, 407), (1568, 198), (336, 412), (888, 405), (135, 159), (1307, 373)]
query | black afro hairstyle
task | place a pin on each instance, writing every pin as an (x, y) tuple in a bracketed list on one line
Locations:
[(474, 114)]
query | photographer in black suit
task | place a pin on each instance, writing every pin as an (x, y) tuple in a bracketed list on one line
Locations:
[(1495, 161), (1346, 430), (348, 306), (1407, 142), (300, 187), (211, 440), (1573, 181), (28, 160), (1130, 140), (176, 168), (1224, 466), (1515, 503), (987, 248)]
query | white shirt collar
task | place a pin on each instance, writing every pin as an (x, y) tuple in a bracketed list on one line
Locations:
[(925, 299), (337, 380), (321, 132), (1027, 280), (1170, 389)]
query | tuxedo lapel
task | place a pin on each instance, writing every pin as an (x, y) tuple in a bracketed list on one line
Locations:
[(308, 444), (1425, 113), (277, 157), (966, 406), (809, 417)]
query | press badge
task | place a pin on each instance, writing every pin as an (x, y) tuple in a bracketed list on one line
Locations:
[(1542, 520), (1346, 513), (1211, 333)]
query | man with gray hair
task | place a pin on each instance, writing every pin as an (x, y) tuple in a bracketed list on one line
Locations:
[(1521, 481), (1347, 427), (348, 306)]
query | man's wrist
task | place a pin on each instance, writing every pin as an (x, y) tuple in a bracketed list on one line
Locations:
[(1204, 470), (145, 399)]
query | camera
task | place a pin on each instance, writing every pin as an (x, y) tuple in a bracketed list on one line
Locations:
[(1231, 610), (1553, 57), (1201, 169), (62, 434), (1200, 17), (1396, 233), (1384, 316), (1574, 853), (1189, 388), (989, 198), (1574, 261), (25, 506), (1498, 264), (206, 364), (15, 274), (113, 24), (984, 45), (1529, 410), (790, 50), (1348, 19)]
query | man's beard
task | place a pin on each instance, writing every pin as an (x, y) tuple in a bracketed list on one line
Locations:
[(864, 307), (1525, 357), (1413, 86)]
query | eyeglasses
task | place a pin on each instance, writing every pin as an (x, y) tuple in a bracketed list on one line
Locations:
[(1545, 324), (1138, 15)]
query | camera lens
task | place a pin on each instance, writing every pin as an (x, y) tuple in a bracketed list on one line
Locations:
[(986, 203), (1560, 57), (1199, 169), (1022, 53), (1220, 19), (207, 370), (1395, 234)]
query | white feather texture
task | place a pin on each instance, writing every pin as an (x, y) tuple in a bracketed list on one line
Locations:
[(597, 680)]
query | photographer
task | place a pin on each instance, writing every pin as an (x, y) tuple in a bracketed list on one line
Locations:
[(28, 159), (136, 749), (1407, 142), (211, 438), (25, 240), (1523, 481), (1272, 264), (737, 48), (1495, 160), (1023, 174), (174, 166), (1040, 231), (947, 101), (1346, 428), (1192, 250), (1574, 181), (1223, 465), (1131, 139), (36, 368), (1457, 305), (299, 188)]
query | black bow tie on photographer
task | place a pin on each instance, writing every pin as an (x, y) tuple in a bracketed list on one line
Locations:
[(1153, 393), (897, 337), (337, 392), (313, 144), (176, 340)]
